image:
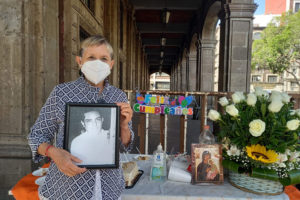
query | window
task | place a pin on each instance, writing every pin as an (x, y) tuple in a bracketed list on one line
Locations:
[(256, 36), (272, 79), (294, 70), (90, 4), (83, 34), (256, 78), (163, 85), (294, 84), (296, 6)]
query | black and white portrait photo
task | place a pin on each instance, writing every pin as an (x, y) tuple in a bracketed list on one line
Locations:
[(92, 134)]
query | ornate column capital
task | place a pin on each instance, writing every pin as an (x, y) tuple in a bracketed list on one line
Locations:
[(208, 43), (240, 10)]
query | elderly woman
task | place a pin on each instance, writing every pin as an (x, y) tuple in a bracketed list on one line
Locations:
[(65, 180)]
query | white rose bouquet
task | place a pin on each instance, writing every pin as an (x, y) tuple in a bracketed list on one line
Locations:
[(260, 135)]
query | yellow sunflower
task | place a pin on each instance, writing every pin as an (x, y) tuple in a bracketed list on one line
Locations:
[(260, 153)]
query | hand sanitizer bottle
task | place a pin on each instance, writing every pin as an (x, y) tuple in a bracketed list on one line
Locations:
[(158, 168)]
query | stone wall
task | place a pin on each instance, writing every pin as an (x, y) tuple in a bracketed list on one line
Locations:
[(29, 65)]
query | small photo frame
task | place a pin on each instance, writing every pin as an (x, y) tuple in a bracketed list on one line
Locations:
[(207, 163), (92, 134)]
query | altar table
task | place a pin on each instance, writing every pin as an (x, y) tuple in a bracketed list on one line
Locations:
[(168, 190)]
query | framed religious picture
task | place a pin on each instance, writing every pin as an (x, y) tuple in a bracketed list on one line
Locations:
[(92, 134), (207, 163)]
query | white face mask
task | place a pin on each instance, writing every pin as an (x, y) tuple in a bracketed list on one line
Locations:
[(95, 71)]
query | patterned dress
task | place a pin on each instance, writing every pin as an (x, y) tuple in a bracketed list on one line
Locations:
[(51, 122)]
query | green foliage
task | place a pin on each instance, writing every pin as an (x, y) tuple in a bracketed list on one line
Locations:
[(279, 46), (276, 136)]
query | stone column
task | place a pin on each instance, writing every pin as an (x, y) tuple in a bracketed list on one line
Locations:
[(198, 64), (128, 51), (175, 77), (207, 65), (143, 72), (133, 57), (178, 79), (235, 45), (187, 71), (182, 76), (183, 73), (29, 71), (172, 78), (192, 71)]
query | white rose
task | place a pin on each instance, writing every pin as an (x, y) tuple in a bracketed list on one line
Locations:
[(258, 91), (223, 101), (231, 110), (233, 151), (257, 127), (275, 106), (214, 115), (276, 96), (297, 112), (293, 124), (285, 97), (251, 99), (237, 97)]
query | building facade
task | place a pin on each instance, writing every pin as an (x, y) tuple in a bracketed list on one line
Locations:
[(159, 81), (265, 78)]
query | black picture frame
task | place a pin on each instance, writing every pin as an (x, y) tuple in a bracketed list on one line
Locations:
[(92, 134)]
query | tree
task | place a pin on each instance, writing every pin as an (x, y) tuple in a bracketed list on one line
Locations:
[(279, 47)]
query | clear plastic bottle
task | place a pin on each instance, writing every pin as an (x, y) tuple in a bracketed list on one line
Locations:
[(206, 137), (159, 166)]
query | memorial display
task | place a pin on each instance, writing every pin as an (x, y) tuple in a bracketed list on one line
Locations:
[(259, 132)]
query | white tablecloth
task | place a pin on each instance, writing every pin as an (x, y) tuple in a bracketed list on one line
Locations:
[(146, 189)]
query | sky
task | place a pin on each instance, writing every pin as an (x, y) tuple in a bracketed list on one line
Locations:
[(261, 7)]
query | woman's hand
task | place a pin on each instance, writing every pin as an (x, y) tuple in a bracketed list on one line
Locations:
[(125, 118), (126, 114), (65, 161)]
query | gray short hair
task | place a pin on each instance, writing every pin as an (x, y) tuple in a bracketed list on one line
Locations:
[(96, 40)]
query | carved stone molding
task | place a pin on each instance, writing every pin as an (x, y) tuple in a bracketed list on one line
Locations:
[(240, 10), (208, 43), (87, 17)]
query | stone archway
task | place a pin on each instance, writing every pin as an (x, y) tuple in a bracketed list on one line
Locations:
[(207, 48)]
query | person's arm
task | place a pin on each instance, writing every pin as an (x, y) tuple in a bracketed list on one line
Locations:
[(127, 134), (44, 128), (42, 134), (62, 158), (125, 118)]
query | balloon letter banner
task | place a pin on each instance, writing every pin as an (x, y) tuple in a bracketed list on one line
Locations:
[(156, 104)]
